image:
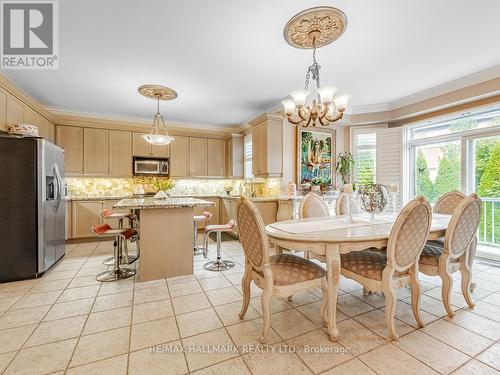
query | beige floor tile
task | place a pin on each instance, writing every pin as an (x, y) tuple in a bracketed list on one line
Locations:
[(457, 337), (79, 293), (358, 338), (229, 313), (318, 352), (302, 298), (275, 364), (348, 285), (79, 282), (215, 283), (145, 312), (112, 301), (106, 320), (224, 295), (375, 321), (491, 356), (218, 337), (235, 278), (57, 330), (476, 323), (430, 305), (248, 333), (152, 333), (404, 313), (190, 302), (389, 359), (42, 359), (477, 368), (487, 310), (431, 351), (457, 299), (59, 275), (23, 317), (91, 271), (145, 362), (151, 294), (111, 366), (37, 299), (311, 311), (493, 299), (374, 299), (48, 286), (149, 284), (184, 288), (101, 345), (70, 308), (354, 366), (14, 338), (7, 302), (5, 358), (196, 322), (291, 323), (277, 305), (351, 306), (231, 367), (116, 287)]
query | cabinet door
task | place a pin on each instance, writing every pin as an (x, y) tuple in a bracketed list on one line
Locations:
[(71, 139), (15, 111), (45, 128), (198, 163), (95, 151), (140, 146), (268, 211), (256, 150), (68, 220), (85, 214), (179, 157), (3, 109), (263, 154), (120, 153), (216, 157), (30, 116), (160, 151)]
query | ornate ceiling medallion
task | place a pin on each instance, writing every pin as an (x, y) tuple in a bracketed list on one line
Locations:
[(157, 92), (315, 27)]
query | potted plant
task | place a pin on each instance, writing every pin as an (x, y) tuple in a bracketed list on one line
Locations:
[(345, 165), (316, 184), (163, 184)]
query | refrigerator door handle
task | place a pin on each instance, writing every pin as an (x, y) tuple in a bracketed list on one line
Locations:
[(59, 187)]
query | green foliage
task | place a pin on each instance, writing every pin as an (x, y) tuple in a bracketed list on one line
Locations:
[(489, 185), (164, 184), (366, 168), (425, 186), (345, 164), (448, 176)]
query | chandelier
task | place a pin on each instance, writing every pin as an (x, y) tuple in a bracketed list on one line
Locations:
[(159, 133), (314, 28)]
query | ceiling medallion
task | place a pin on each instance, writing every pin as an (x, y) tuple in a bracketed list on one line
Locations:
[(159, 134), (313, 28)]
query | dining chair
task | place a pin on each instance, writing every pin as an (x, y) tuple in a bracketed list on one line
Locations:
[(313, 206), (446, 204), (341, 205), (452, 255), (398, 265), (279, 275)]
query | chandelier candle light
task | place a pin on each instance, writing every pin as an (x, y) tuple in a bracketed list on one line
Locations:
[(159, 134), (314, 28)]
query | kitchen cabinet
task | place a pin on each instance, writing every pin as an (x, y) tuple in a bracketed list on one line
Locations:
[(198, 163), (214, 210), (216, 157), (95, 151), (228, 212), (267, 146), (179, 157), (108, 205), (4, 95), (85, 214), (30, 116), (268, 211), (234, 156), (120, 153), (141, 147), (15, 111), (70, 138), (45, 128), (67, 233)]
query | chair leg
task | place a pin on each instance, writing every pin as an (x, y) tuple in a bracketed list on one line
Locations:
[(266, 306), (390, 302), (366, 291), (416, 293), (324, 302), (466, 280), (447, 284), (245, 286)]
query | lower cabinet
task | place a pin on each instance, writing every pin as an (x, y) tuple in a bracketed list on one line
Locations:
[(67, 207), (268, 211), (214, 210), (85, 214)]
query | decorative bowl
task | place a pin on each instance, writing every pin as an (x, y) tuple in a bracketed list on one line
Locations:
[(24, 129), (373, 198)]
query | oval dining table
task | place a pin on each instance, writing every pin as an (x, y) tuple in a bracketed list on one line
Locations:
[(328, 237)]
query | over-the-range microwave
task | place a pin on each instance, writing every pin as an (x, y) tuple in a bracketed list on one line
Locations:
[(151, 166)]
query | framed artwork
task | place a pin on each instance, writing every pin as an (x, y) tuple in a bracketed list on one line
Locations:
[(316, 156)]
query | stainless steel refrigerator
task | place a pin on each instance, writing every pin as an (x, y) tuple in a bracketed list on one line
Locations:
[(32, 210)]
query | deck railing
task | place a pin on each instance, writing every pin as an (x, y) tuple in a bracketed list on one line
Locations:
[(489, 228)]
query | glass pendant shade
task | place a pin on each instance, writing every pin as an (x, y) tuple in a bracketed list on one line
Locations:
[(159, 134), (341, 101), (326, 93), (289, 106), (299, 97)]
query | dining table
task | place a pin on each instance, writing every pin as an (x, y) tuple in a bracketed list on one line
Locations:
[(329, 237)]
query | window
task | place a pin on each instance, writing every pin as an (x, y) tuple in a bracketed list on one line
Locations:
[(365, 156), (247, 154)]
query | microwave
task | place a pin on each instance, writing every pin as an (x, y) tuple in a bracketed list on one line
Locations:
[(151, 166)]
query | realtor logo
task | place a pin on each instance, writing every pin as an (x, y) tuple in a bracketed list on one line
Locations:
[(30, 35)]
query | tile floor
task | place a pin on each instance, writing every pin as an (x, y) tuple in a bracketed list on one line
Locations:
[(66, 322)]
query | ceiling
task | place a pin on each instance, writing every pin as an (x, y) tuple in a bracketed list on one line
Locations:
[(229, 62)]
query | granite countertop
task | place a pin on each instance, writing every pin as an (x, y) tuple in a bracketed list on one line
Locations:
[(143, 203)]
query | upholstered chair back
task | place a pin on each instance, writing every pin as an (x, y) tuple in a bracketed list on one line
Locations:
[(251, 230), (409, 234), (463, 226), (447, 202), (341, 205), (313, 206)]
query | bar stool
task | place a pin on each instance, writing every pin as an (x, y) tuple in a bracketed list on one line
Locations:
[(219, 264), (121, 236), (196, 219), (120, 216)]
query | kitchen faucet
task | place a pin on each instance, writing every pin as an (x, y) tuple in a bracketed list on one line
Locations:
[(253, 193)]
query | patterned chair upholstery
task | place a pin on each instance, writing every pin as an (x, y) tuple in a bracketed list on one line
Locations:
[(341, 205), (280, 275), (398, 266), (443, 258), (313, 206), (447, 202)]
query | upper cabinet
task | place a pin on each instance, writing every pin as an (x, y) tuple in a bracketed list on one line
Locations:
[(15, 111), (267, 146), (234, 156), (95, 151), (179, 157), (216, 157), (71, 139), (198, 163), (120, 153), (45, 128), (141, 147)]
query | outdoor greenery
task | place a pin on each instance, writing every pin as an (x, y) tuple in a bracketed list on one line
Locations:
[(366, 167)]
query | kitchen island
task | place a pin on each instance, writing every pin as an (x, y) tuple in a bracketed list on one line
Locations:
[(166, 235)]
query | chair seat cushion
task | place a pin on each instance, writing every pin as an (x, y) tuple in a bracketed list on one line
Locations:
[(431, 253), (291, 269), (369, 263)]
